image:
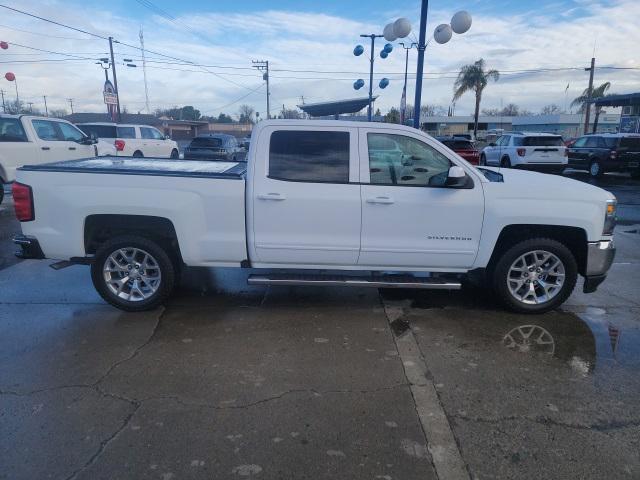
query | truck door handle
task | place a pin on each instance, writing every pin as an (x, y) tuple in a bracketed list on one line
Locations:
[(72, 148), (381, 200), (271, 196), (45, 148)]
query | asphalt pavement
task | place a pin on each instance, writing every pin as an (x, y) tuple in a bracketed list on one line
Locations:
[(233, 381)]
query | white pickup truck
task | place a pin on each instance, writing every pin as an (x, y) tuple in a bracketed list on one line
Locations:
[(336, 203), (29, 140)]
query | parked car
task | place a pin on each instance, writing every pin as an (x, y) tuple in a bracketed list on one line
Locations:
[(607, 152), (30, 140), (463, 147), (246, 141), (532, 151), (214, 146), (133, 140), (306, 201)]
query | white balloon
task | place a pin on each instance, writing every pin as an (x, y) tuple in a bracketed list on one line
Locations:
[(388, 33), (461, 22), (442, 33), (402, 27)]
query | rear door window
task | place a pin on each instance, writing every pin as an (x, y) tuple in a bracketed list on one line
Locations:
[(126, 132), (592, 142), (11, 130), (309, 156), (46, 130), (630, 144), (100, 131)]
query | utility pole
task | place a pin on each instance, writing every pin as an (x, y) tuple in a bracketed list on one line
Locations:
[(422, 46), (403, 100), (587, 116), (263, 65), (144, 72), (70, 100), (4, 107), (115, 78), (46, 110)]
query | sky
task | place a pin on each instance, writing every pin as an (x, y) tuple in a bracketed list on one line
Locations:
[(309, 47)]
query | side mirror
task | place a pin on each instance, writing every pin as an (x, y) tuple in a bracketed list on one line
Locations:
[(457, 177), (167, 137)]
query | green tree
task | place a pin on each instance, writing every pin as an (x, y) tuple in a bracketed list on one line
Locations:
[(224, 118), (583, 101), (393, 116), (474, 78)]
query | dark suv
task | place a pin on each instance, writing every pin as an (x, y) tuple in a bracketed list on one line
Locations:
[(615, 152), (214, 146)]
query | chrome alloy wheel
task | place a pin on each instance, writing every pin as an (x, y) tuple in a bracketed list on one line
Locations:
[(536, 277), (132, 274)]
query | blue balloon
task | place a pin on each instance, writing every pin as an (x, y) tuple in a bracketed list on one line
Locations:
[(383, 83), (384, 54), (388, 48), (359, 50), (358, 84)]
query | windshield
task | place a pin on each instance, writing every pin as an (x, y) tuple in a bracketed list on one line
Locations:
[(459, 144), (207, 142)]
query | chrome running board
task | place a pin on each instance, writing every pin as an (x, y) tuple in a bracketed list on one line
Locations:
[(378, 281)]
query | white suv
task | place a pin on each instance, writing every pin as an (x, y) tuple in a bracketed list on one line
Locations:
[(533, 151), (133, 140)]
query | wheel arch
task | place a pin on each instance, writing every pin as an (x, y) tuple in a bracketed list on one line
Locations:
[(574, 238), (101, 227)]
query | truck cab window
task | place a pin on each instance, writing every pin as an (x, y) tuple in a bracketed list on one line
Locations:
[(70, 133), (402, 160), (309, 156), (45, 130)]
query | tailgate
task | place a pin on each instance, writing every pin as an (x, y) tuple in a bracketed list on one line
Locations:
[(546, 155)]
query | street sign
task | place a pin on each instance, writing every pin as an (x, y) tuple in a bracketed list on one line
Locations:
[(110, 98)]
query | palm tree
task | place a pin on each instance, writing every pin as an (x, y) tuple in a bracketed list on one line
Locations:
[(474, 78), (583, 101)]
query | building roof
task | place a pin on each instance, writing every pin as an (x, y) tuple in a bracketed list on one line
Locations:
[(335, 107), (618, 100), (135, 118)]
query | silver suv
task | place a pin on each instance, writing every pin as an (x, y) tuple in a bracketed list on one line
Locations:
[(532, 151)]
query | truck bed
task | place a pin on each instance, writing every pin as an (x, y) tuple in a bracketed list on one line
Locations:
[(146, 166)]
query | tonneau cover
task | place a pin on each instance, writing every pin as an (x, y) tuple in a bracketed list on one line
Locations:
[(146, 166)]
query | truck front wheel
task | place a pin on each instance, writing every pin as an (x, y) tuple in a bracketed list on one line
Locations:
[(535, 276), (133, 273)]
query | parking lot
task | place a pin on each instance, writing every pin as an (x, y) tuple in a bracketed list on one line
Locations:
[(234, 381)]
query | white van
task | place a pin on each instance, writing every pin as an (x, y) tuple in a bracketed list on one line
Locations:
[(133, 140)]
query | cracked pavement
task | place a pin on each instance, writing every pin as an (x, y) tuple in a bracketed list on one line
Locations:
[(233, 381)]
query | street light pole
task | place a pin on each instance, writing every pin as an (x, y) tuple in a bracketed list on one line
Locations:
[(421, 48), (373, 37), (115, 78), (403, 105)]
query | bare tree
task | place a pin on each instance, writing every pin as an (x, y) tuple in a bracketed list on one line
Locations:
[(246, 113), (551, 109)]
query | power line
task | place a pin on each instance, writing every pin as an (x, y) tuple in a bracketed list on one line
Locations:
[(53, 21), (44, 34)]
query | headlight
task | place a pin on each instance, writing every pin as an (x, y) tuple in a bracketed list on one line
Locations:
[(610, 217)]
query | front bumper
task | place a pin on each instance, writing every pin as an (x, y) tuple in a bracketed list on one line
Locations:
[(600, 256), (29, 247)]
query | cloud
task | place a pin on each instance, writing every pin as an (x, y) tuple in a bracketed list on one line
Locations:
[(556, 35)]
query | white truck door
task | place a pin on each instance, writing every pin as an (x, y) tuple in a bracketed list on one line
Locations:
[(71, 136), (49, 141), (409, 218), (306, 196)]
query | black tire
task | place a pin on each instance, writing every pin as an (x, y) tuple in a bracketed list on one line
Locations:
[(138, 154), (483, 159), (175, 154), (596, 170), (162, 262), (1, 191), (505, 162), (500, 274), (635, 173)]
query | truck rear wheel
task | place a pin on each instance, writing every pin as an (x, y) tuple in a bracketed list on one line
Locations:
[(133, 273), (535, 276)]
